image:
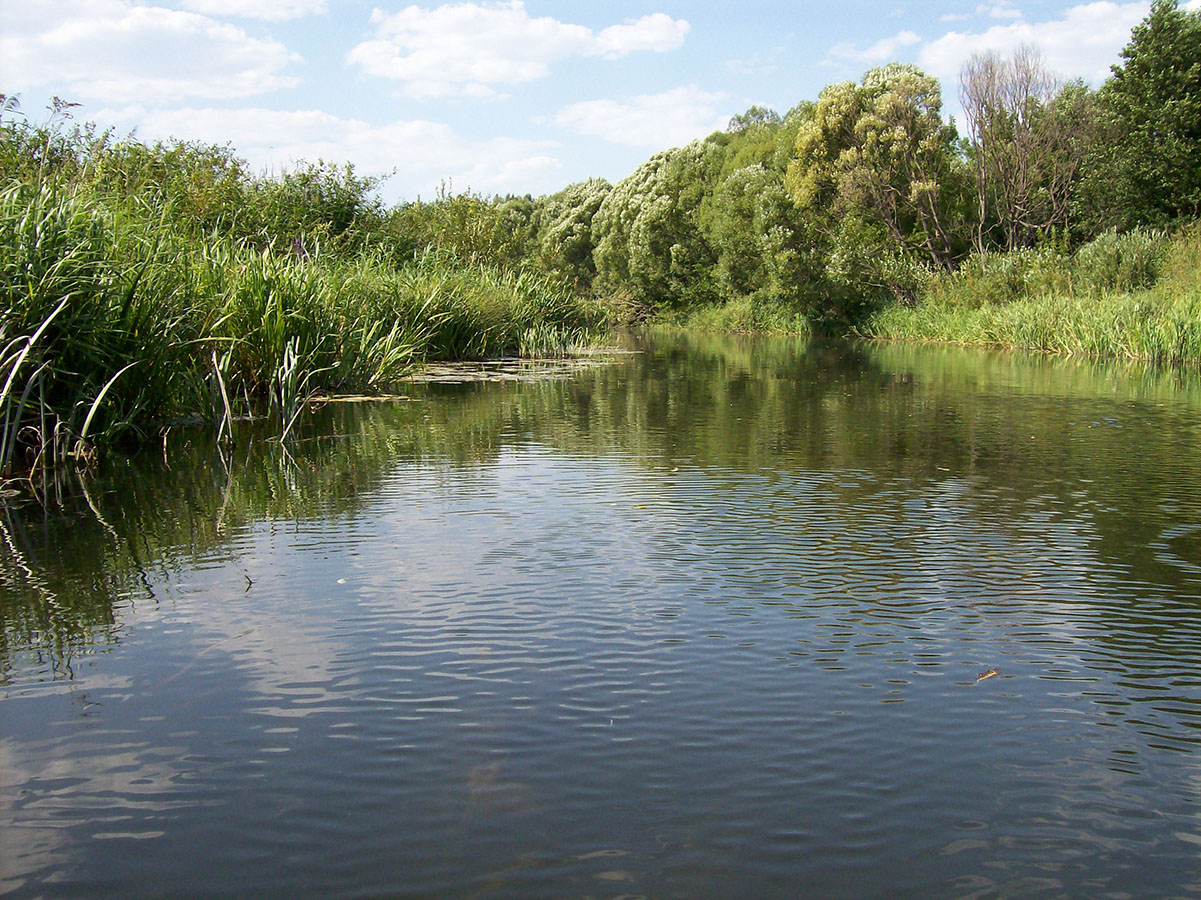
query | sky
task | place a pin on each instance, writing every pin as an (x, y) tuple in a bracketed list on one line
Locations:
[(505, 97)]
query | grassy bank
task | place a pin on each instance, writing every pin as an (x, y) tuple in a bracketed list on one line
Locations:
[(141, 286), (749, 314), (1131, 296), (124, 309), (1134, 296)]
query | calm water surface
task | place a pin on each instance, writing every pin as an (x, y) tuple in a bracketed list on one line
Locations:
[(704, 622)]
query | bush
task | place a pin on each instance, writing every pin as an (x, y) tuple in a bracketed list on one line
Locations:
[(1119, 262)]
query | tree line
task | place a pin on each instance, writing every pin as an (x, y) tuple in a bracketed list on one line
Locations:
[(857, 198), (829, 210), (146, 283)]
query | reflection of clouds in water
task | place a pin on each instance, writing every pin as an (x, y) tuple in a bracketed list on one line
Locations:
[(274, 632), (516, 654), (956, 558), (975, 546), (112, 773), (49, 789), (1180, 546)]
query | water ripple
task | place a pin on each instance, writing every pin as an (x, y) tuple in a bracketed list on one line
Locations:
[(683, 666)]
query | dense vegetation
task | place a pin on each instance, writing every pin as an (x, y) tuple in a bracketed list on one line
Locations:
[(1059, 218), (866, 209), (143, 284)]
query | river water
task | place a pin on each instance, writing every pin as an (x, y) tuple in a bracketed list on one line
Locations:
[(707, 620)]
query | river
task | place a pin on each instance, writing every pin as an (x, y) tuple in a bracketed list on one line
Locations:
[(717, 618)]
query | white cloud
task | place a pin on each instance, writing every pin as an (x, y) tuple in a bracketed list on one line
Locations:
[(268, 10), (1083, 43), (999, 10), (423, 152), (760, 62), (122, 52), (656, 32), (466, 48), (655, 121), (883, 50)]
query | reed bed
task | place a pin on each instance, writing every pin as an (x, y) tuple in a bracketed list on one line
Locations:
[(1133, 296), (748, 314), (118, 316)]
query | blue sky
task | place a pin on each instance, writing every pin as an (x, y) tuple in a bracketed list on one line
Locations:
[(497, 97)]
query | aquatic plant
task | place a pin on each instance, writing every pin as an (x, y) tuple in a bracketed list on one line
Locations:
[(86, 301), (1136, 296), (121, 315)]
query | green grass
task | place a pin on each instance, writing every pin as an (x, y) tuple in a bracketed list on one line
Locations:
[(146, 285), (747, 314), (118, 317), (1135, 296)]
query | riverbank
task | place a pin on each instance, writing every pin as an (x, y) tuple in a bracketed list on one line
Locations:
[(128, 302), (1134, 296), (147, 285)]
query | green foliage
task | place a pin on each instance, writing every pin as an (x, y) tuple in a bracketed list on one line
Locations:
[(998, 278), (315, 204), (863, 256), (1080, 130), (141, 283), (144, 284), (82, 296), (648, 237), (754, 117), (866, 196), (29, 152), (1155, 97), (1028, 141), (472, 228), (768, 250), (1111, 263), (1120, 263), (734, 219), (752, 313), (198, 188), (875, 167), (1136, 296), (478, 311), (565, 235)]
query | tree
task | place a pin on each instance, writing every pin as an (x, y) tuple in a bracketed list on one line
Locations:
[(879, 153), (732, 217), (648, 238), (755, 116), (1155, 94), (765, 247), (1073, 129), (1027, 138), (316, 202), (1002, 99), (496, 231), (565, 233)]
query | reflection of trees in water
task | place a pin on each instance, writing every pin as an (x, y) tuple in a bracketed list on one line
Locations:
[(1077, 459), (67, 566), (46, 613), (1109, 445)]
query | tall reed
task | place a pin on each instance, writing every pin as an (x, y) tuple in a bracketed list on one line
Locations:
[(96, 330), (1136, 296), (121, 314)]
